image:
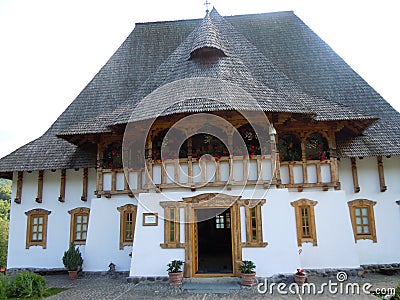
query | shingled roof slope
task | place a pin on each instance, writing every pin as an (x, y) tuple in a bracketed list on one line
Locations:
[(282, 37)]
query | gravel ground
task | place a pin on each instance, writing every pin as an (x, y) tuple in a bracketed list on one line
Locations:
[(103, 287)]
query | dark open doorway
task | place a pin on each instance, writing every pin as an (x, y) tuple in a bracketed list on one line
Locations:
[(214, 241)]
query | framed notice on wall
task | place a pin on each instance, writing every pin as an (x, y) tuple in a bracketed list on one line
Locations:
[(150, 219)]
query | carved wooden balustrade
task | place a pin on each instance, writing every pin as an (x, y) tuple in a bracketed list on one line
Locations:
[(189, 173)]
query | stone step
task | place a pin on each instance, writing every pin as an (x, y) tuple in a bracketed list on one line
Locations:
[(219, 285)]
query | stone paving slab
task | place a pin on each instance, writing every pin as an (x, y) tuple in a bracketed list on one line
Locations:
[(103, 287)]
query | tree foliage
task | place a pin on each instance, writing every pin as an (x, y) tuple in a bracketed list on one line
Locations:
[(5, 189)]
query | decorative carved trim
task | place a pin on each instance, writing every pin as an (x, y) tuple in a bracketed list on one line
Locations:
[(40, 187), (19, 187), (32, 214), (84, 184), (309, 205), (62, 185), (355, 175), (84, 211), (381, 174), (363, 203), (124, 210)]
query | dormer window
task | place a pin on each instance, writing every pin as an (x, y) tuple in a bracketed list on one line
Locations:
[(207, 54)]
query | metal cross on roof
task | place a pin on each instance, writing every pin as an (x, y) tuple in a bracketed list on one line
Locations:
[(207, 4)]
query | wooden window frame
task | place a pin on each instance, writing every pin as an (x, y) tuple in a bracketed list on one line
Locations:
[(253, 206), (37, 213), (299, 205), (124, 211), (175, 242), (79, 211), (363, 203)]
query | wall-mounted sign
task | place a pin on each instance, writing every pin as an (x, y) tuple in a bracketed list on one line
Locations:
[(150, 219)]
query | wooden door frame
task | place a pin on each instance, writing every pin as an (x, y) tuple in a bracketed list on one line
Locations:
[(204, 201)]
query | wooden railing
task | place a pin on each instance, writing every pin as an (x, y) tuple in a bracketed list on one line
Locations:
[(193, 174), (309, 173), (188, 173)]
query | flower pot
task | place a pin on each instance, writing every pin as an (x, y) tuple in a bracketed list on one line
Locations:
[(248, 279), (175, 279), (73, 275), (299, 279)]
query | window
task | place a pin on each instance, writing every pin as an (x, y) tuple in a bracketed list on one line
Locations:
[(171, 226), (362, 219), (317, 147), (254, 236), (305, 221), (36, 233), (79, 225), (289, 146), (127, 225), (223, 220)]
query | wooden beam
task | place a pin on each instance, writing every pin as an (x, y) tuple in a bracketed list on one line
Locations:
[(61, 198), (381, 174), (40, 187), (19, 187), (84, 184), (355, 175)]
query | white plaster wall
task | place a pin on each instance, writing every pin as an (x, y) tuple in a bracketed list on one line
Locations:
[(279, 231), (335, 242), (387, 212), (58, 221), (102, 243)]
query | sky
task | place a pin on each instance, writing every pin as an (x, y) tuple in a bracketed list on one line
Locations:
[(51, 49)]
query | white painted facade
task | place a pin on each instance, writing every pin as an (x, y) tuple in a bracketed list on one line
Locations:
[(336, 247)]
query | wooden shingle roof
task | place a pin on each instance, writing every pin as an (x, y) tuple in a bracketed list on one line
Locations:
[(275, 57)]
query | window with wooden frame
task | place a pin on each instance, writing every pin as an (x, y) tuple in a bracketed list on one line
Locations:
[(254, 235), (172, 227), (362, 219), (79, 225), (36, 232), (127, 221), (305, 221)]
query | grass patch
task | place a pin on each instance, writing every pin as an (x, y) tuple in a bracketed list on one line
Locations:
[(47, 293)]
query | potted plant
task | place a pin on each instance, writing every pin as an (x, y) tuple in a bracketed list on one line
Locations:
[(247, 268), (72, 260), (300, 277), (175, 272)]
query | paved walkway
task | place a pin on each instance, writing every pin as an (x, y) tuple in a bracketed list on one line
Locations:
[(103, 287)]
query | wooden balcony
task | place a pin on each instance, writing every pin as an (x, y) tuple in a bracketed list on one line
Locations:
[(191, 173), (188, 173), (309, 173)]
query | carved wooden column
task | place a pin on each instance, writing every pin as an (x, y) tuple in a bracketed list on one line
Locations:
[(334, 167), (40, 187), (355, 175), (99, 171), (84, 184), (19, 187), (62, 186), (381, 174)]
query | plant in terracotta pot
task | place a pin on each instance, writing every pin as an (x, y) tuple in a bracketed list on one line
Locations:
[(247, 268), (300, 277), (175, 272), (73, 261)]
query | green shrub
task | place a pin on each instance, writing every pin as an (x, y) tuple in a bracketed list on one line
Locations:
[(397, 294), (26, 285), (72, 258), (4, 283)]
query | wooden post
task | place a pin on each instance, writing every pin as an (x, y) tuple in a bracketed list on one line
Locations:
[(319, 176), (84, 184), (62, 185), (291, 173), (381, 174), (113, 181), (19, 187), (355, 175), (40, 187)]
